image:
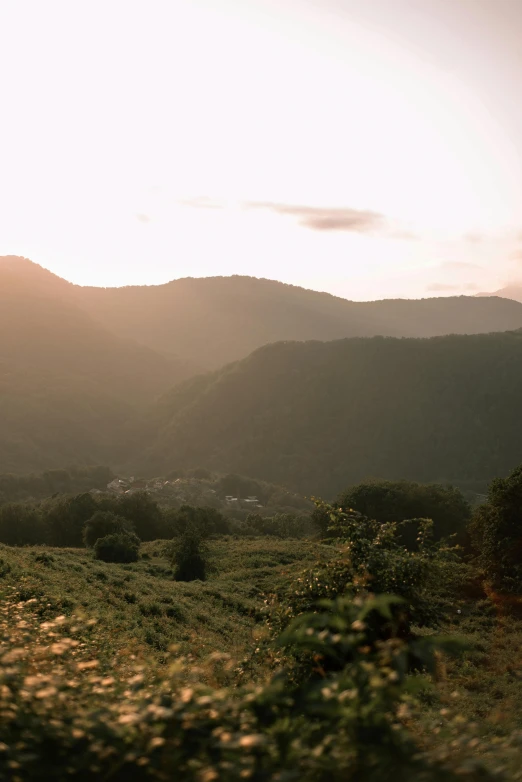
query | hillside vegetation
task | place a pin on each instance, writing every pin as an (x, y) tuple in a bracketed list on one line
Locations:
[(318, 416), (354, 657), (78, 366)]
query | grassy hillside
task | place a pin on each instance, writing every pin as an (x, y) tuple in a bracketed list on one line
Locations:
[(319, 416), (118, 672), (142, 611), (215, 320)]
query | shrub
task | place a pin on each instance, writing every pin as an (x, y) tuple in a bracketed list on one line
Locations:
[(387, 501), (118, 547), (371, 557), (104, 523), (344, 716), (496, 532), (190, 557)]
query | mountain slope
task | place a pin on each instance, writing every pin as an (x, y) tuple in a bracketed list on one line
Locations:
[(318, 416), (512, 291), (208, 322), (215, 320), (42, 326), (67, 385), (51, 420)]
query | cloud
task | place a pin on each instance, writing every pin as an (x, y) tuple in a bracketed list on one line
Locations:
[(474, 238), (326, 219), (143, 218), (201, 202), (442, 287), (516, 256), (458, 265)]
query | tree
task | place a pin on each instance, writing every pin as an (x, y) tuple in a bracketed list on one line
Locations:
[(21, 525), (190, 557), (104, 523), (118, 547), (144, 513), (66, 516), (207, 521), (496, 532), (387, 501)]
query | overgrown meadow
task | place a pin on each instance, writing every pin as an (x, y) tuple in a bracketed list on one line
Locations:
[(377, 649)]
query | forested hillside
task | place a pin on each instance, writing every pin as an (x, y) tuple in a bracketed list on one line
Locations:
[(67, 384), (318, 416), (207, 322), (76, 374), (43, 328), (215, 320)]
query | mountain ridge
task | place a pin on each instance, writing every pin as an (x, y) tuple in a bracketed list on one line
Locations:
[(209, 322), (319, 416)]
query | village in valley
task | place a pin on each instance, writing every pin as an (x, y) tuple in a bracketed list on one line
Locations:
[(208, 490)]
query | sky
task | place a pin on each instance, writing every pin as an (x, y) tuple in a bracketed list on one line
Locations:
[(369, 148)]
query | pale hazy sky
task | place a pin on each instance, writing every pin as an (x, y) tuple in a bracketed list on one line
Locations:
[(370, 148)]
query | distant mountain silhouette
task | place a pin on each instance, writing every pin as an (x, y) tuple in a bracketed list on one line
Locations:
[(78, 365), (67, 384), (215, 320), (318, 416), (42, 325), (513, 291)]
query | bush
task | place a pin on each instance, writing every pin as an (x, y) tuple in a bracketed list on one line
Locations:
[(344, 714), (496, 532), (118, 547), (371, 557), (190, 557), (104, 523), (387, 501)]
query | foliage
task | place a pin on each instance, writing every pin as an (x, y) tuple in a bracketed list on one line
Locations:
[(21, 525), (117, 547), (104, 523), (347, 721), (190, 556), (60, 520), (372, 556), (387, 501), (38, 486), (143, 512), (496, 531), (207, 521), (281, 525)]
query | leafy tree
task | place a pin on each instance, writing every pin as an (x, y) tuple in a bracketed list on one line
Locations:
[(387, 501), (496, 532), (144, 513), (104, 523), (21, 524), (371, 556), (190, 557), (65, 518), (117, 547), (207, 521)]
